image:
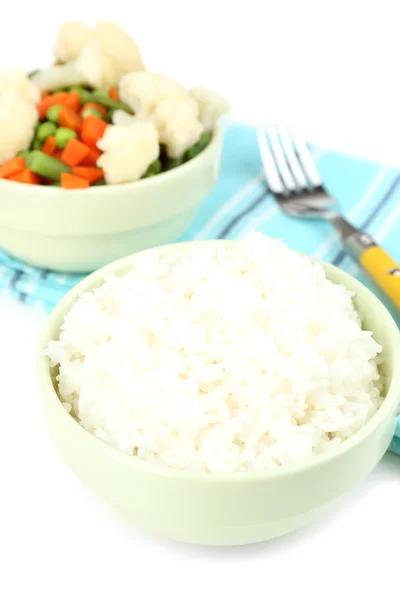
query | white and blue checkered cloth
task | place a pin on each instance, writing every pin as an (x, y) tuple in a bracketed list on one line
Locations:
[(369, 196)]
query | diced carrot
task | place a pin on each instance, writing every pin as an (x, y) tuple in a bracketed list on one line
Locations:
[(113, 93), (25, 176), (73, 101), (49, 147), (101, 109), (69, 118), (90, 159), (14, 165), (73, 182), (92, 130), (51, 100), (74, 152), (44, 94), (92, 174)]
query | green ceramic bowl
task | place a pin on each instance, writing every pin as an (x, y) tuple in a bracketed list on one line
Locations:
[(228, 509), (82, 230)]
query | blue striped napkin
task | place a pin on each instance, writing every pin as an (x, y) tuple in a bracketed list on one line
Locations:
[(369, 196)]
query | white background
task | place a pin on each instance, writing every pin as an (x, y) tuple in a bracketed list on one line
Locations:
[(331, 69)]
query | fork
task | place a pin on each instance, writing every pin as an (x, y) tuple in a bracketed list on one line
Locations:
[(293, 178)]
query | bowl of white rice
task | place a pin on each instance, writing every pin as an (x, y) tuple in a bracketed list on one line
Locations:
[(220, 392)]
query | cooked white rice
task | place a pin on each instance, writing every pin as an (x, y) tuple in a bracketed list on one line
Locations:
[(219, 359)]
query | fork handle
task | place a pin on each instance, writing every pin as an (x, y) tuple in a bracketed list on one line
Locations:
[(376, 262)]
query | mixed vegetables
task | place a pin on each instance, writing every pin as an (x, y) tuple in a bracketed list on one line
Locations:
[(97, 116)]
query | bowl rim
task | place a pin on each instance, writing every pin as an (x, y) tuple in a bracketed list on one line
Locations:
[(58, 192), (391, 400)]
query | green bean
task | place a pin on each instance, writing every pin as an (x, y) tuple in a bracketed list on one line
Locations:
[(44, 130), (36, 144), (33, 73), (91, 111), (204, 140), (110, 114), (23, 153), (102, 97), (101, 93), (154, 169), (156, 166), (46, 166), (171, 163), (63, 135), (99, 182), (55, 184), (192, 152), (84, 94)]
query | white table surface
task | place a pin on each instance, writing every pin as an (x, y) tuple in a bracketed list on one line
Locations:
[(335, 77)]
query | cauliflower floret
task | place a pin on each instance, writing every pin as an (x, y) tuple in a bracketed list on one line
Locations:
[(118, 54), (211, 106), (17, 80), (18, 119), (107, 55), (70, 40), (143, 91), (128, 151), (177, 125), (120, 117), (163, 100)]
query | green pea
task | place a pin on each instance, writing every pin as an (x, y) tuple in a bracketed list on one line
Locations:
[(56, 184), (53, 112), (44, 130), (63, 135), (99, 182), (91, 111), (36, 144)]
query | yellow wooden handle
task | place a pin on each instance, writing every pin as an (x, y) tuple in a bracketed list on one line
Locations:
[(384, 270)]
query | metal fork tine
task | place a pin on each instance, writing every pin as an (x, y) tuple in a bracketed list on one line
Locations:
[(307, 161), (293, 160), (290, 172), (280, 160), (271, 173)]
